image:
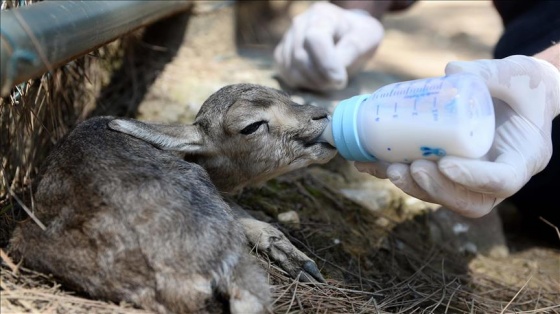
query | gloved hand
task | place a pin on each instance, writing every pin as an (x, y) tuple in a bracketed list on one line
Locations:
[(325, 45), (526, 93)]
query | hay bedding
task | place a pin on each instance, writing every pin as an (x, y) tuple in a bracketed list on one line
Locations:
[(393, 268), (423, 289), (26, 291), (370, 268)]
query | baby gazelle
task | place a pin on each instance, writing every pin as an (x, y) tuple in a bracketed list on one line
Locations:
[(134, 211)]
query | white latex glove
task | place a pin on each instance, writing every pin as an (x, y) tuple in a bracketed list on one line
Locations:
[(325, 45), (526, 93)]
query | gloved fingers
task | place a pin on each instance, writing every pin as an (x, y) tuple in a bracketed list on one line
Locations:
[(283, 57), (482, 67), (423, 180), (297, 77), (521, 82), (320, 45), (357, 45), (498, 77), (308, 75), (352, 54), (325, 45), (293, 62), (502, 177), (306, 57), (401, 177), (377, 169), (519, 151), (441, 190)]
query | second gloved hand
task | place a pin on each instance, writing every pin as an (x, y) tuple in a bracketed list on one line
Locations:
[(526, 93), (325, 46)]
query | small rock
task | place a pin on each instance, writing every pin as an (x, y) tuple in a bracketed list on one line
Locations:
[(291, 218), (382, 222)]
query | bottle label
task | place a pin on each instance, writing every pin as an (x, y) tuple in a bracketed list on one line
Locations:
[(428, 119)]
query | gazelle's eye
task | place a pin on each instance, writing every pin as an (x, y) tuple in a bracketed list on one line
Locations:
[(253, 127)]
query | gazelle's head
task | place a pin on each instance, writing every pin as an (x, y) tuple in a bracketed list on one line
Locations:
[(243, 134)]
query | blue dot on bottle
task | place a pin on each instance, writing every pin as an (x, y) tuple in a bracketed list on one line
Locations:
[(388, 148)]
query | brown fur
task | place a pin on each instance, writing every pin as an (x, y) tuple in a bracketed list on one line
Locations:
[(133, 212)]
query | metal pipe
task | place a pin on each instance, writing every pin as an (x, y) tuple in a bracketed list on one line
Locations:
[(38, 38)]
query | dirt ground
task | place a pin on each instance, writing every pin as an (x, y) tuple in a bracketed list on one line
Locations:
[(380, 250)]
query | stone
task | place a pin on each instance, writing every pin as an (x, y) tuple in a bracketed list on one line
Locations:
[(290, 218)]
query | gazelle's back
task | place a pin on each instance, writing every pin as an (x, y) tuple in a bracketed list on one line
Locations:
[(136, 223)]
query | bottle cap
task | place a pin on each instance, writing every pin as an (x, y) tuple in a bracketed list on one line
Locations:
[(345, 130)]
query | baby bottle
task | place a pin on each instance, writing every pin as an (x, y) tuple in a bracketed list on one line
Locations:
[(420, 119)]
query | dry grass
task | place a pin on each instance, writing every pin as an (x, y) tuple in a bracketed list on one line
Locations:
[(427, 290), (395, 268), (26, 291), (34, 117), (369, 269), (39, 112)]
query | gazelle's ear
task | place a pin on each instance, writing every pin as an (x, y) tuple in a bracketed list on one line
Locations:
[(183, 138)]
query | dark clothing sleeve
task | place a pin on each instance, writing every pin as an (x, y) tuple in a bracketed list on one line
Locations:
[(399, 5), (531, 27)]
